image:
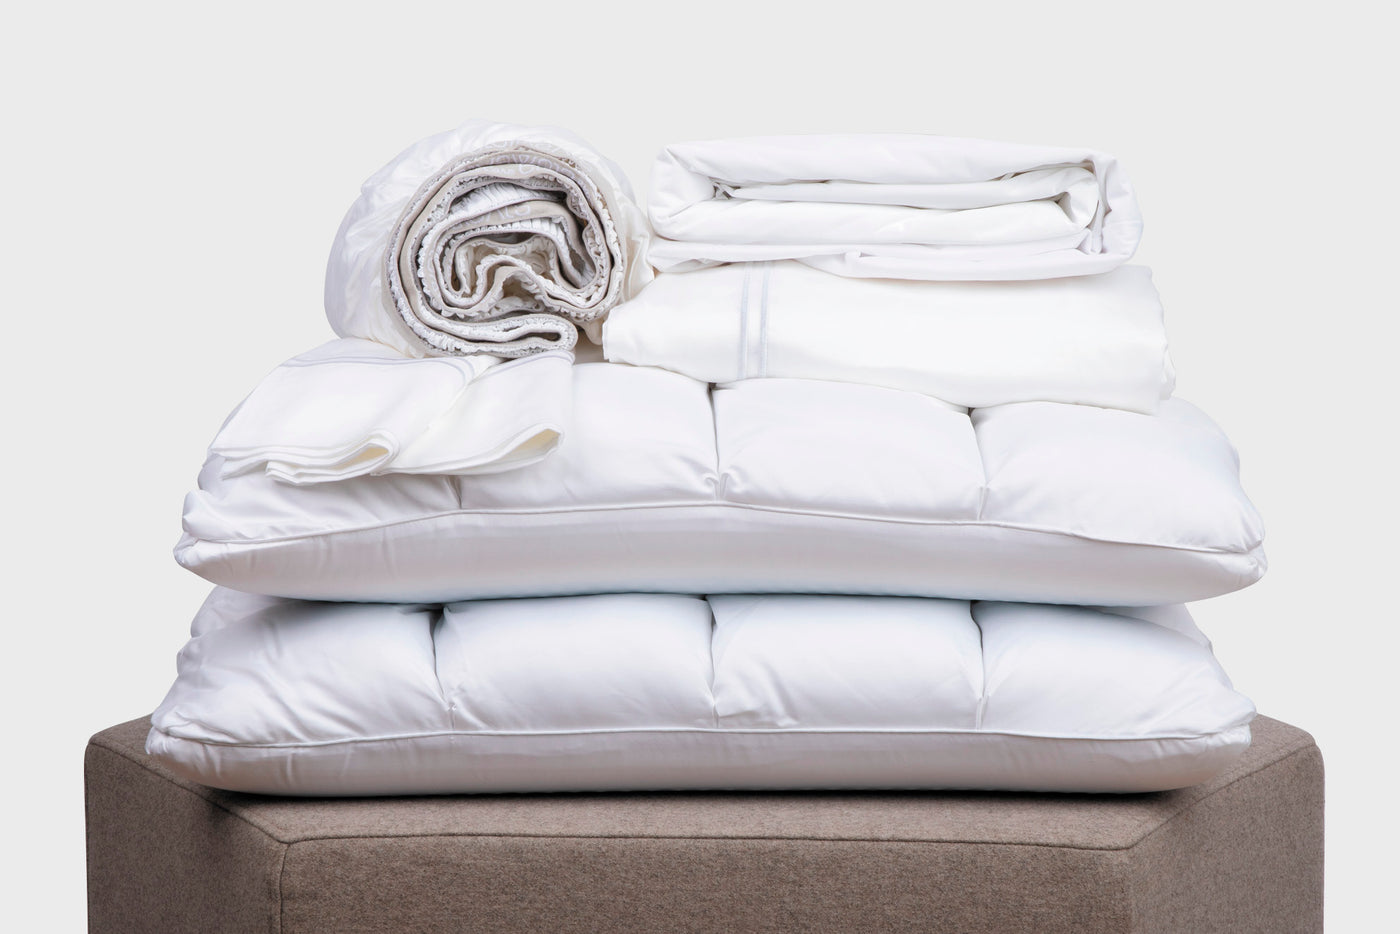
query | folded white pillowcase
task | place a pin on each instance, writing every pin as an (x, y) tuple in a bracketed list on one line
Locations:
[(1096, 340), (352, 408), (893, 206)]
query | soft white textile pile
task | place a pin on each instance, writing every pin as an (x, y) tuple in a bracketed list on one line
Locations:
[(893, 206), (874, 373), (977, 272), (487, 242)]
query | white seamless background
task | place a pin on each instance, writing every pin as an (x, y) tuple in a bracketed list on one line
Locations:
[(174, 173)]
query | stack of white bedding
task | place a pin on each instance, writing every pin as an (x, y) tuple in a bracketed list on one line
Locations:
[(880, 484)]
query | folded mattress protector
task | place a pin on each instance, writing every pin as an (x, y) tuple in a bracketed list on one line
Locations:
[(489, 238), (893, 206), (636, 691), (1094, 340), (662, 484)]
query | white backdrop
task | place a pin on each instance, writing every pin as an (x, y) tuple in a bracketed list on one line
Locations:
[(175, 172)]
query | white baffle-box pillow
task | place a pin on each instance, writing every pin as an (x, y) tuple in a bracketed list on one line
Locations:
[(663, 484), (636, 691)]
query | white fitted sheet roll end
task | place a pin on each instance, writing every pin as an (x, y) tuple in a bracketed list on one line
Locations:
[(490, 238)]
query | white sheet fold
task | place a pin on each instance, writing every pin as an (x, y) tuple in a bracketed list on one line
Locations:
[(893, 206), (355, 407), (490, 238), (1097, 340)]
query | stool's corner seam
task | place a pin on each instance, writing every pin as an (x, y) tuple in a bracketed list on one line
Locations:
[(199, 791), (1300, 750), (279, 918)]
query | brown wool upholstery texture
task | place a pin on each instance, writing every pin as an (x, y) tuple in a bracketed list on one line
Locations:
[(1239, 854)]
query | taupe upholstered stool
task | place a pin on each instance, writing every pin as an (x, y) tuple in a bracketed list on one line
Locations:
[(1240, 854)]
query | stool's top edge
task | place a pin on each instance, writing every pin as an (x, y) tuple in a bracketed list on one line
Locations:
[(1099, 822)]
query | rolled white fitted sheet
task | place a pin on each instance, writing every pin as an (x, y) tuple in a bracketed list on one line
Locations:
[(893, 206), (354, 408), (637, 691), (489, 238), (1096, 340)]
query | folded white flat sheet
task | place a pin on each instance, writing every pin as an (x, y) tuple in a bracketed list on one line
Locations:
[(1097, 340), (490, 238), (637, 691), (893, 206), (352, 408)]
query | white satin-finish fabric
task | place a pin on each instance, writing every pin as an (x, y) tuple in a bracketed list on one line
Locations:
[(893, 206), (489, 238), (354, 408), (642, 691), (767, 485), (1096, 340)]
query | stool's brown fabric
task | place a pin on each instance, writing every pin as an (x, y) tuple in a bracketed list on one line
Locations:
[(1240, 854)]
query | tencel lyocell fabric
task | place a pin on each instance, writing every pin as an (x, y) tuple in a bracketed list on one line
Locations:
[(893, 206), (665, 484), (1094, 340), (629, 691)]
